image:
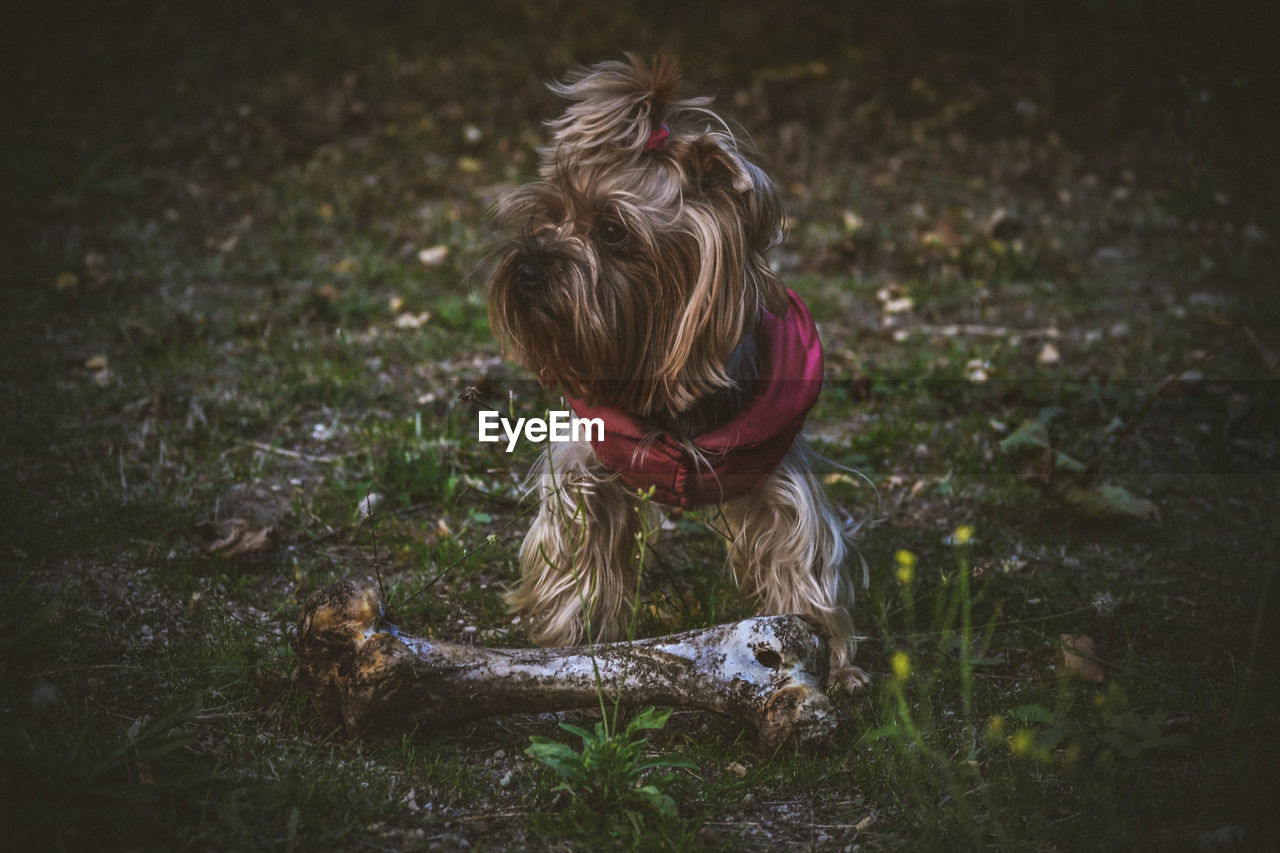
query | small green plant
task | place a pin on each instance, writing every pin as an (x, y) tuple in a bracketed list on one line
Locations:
[(952, 611), (68, 782), (926, 714), (1117, 731), (607, 774), (418, 469)]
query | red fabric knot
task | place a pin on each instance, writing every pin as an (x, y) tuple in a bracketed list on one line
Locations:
[(658, 139), (742, 452)]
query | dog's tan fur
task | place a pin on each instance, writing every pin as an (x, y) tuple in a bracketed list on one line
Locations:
[(634, 279)]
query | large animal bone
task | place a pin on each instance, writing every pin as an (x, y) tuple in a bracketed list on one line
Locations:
[(363, 673)]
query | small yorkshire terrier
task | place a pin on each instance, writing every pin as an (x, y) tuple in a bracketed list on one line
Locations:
[(634, 279)]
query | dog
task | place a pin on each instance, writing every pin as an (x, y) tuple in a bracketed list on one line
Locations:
[(633, 277)]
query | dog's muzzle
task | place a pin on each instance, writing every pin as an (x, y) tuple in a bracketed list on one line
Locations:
[(530, 273)]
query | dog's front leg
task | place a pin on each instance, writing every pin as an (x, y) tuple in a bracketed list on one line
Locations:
[(790, 552), (579, 560)]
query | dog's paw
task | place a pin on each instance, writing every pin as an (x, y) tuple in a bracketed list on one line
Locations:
[(851, 679)]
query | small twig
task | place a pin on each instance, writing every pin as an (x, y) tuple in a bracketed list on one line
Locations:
[(495, 816), (500, 500), (1004, 623), (323, 537), (984, 331), (1265, 354), (368, 521), (292, 454), (1091, 469), (405, 512), (485, 544)]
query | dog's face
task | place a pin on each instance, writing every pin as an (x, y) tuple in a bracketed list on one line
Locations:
[(635, 267)]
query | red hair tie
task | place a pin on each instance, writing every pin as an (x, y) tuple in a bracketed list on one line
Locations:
[(658, 139)]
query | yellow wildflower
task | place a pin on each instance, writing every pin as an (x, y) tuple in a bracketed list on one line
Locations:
[(995, 727), (901, 665), (1022, 743), (905, 571)]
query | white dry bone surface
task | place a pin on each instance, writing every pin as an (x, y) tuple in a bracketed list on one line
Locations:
[(365, 674)]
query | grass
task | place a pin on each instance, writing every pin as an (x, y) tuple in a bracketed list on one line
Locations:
[(214, 229)]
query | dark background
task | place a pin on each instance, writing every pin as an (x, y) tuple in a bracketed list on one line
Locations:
[(212, 225), (84, 74)]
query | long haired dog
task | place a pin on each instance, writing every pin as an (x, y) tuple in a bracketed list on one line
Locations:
[(635, 280)]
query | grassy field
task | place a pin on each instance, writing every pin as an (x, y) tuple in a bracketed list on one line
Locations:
[(243, 260)]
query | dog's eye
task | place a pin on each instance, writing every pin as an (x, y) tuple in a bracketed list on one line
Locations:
[(612, 232)]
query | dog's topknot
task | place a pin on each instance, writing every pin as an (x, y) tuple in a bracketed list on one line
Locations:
[(616, 106)]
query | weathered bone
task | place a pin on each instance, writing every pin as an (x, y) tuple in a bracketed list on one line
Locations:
[(361, 672)]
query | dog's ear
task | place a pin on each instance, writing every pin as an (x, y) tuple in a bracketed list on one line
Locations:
[(711, 168), (743, 212), (718, 173)]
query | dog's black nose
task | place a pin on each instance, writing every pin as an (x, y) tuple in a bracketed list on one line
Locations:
[(530, 273)]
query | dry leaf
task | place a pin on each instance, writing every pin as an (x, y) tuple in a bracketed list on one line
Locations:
[(942, 235), (234, 537), (95, 265), (1064, 477), (1080, 658), (409, 320), (100, 368), (894, 299), (977, 371), (434, 256)]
